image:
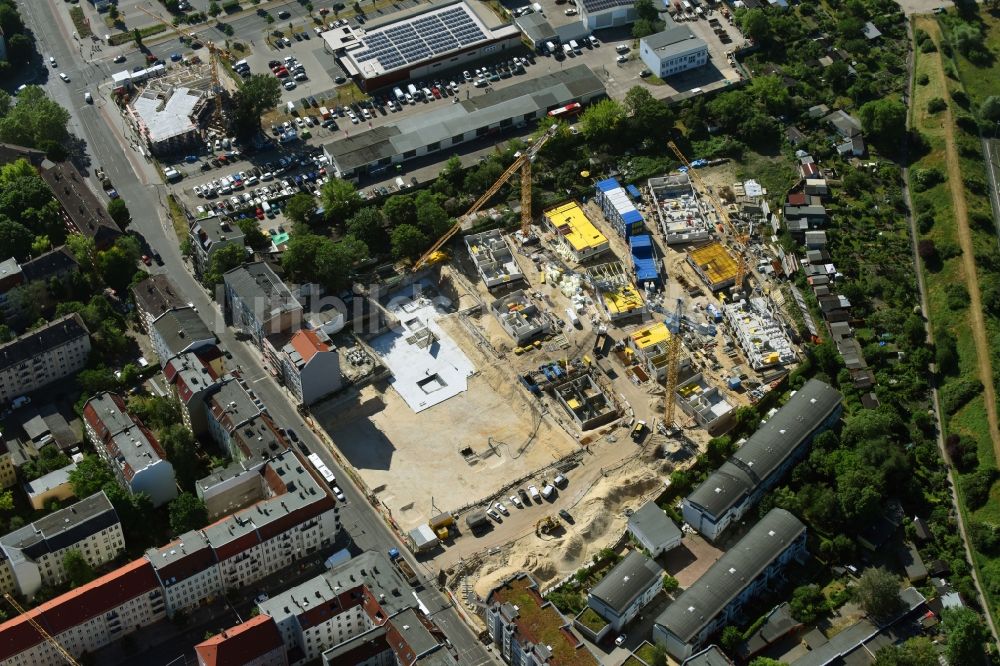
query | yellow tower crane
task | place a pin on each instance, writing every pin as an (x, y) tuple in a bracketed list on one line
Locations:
[(739, 239), (213, 55), (522, 164), (41, 631), (673, 362)]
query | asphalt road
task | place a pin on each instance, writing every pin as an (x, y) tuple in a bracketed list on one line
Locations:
[(101, 126)]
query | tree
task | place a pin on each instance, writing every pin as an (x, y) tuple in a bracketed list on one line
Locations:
[(731, 639), (49, 459), (989, 110), (118, 264), (808, 604), (313, 258), (224, 260), (137, 37), (15, 239), (301, 208), (771, 92), (766, 661), (90, 476), (78, 569), (154, 411), (965, 636), (407, 242), (257, 95), (368, 226), (878, 593), (400, 209), (917, 651), (252, 235), (755, 25), (187, 513), (670, 584), (340, 200), (119, 213), (599, 122), (431, 217), (643, 28), (884, 121), (19, 49), (7, 500), (82, 249), (647, 118), (182, 452), (214, 9)]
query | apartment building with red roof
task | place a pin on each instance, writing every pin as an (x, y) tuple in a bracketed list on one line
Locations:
[(86, 618), (310, 365), (256, 642)]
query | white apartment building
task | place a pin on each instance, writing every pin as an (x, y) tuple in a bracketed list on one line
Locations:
[(310, 365), (32, 556), (129, 448), (338, 605), (42, 356), (292, 517), (86, 618), (673, 51)]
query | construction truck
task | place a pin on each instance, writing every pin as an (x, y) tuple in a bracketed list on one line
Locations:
[(403, 566), (546, 525)]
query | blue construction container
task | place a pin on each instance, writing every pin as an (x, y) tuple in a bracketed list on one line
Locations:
[(644, 260), (734, 383), (618, 208)]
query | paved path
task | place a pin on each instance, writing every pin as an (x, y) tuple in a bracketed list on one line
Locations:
[(968, 253)]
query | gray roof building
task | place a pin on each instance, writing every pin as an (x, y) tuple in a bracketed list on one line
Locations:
[(710, 656), (154, 296), (61, 529), (42, 340), (258, 301), (675, 40), (418, 134), (627, 581), (536, 28), (49, 264), (845, 124), (767, 450), (725, 581), (178, 331), (654, 529)]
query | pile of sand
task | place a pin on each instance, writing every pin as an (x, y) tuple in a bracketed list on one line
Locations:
[(599, 521)]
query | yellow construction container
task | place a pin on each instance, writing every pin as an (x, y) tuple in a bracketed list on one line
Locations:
[(573, 403)]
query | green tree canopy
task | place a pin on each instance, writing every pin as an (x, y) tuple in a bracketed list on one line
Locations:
[(648, 119), (224, 260), (182, 452), (256, 239), (119, 213), (187, 513), (301, 208), (15, 239), (965, 635), (78, 569), (33, 119), (917, 651), (877, 592), (257, 95), (400, 209), (340, 200), (368, 226), (408, 242), (313, 258), (884, 121), (755, 25), (119, 263), (600, 122)]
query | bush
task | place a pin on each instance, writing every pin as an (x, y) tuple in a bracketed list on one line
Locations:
[(967, 123), (926, 249), (923, 79), (927, 47), (985, 537), (961, 98), (924, 179), (925, 222), (956, 393), (962, 451), (975, 183), (948, 250), (976, 487), (936, 105), (957, 296)]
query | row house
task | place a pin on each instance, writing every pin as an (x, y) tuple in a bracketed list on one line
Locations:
[(130, 448), (32, 556), (43, 356)]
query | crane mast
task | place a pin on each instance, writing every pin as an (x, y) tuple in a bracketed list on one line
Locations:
[(522, 164), (739, 239)]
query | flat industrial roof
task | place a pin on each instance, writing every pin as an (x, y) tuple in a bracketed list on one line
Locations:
[(441, 123), (411, 40), (575, 227), (623, 300)]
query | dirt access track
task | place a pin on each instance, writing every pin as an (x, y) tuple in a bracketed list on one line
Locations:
[(965, 242)]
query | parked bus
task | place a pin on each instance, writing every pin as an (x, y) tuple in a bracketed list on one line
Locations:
[(570, 109), (321, 467)]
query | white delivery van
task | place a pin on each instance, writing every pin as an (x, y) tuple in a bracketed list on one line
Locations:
[(572, 317), (414, 93), (567, 50), (266, 207), (537, 7), (550, 48), (533, 491), (400, 96), (291, 107), (239, 64), (400, 183), (573, 45), (548, 491), (426, 92)]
